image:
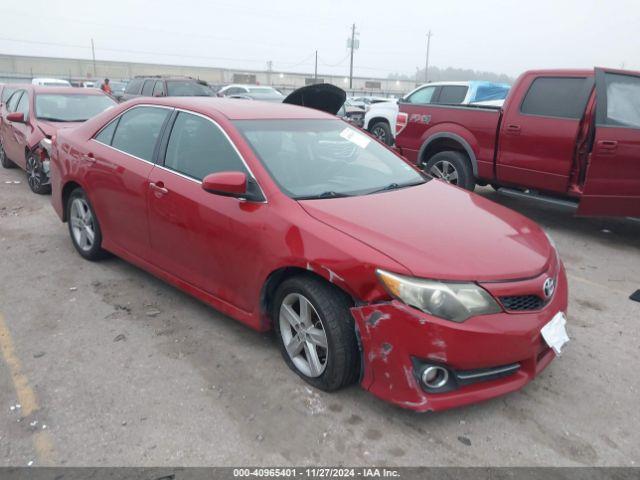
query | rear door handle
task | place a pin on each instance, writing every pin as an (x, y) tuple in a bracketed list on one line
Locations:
[(513, 129), (89, 157), (158, 188), (607, 146)]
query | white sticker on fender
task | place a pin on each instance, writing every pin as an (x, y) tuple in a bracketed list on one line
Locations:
[(555, 332), (355, 137)]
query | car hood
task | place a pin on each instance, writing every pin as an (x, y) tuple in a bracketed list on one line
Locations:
[(441, 232), (322, 96), (50, 128)]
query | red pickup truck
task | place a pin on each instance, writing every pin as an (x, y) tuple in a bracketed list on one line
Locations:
[(566, 136)]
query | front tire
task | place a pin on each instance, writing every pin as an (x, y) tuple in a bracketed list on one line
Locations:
[(382, 131), (84, 228), (452, 167), (315, 332), (36, 177), (4, 160)]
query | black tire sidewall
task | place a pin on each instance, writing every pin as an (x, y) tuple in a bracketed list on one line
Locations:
[(460, 162), (6, 163), (334, 314), (96, 252)]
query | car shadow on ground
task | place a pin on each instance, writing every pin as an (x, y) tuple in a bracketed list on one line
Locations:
[(616, 232)]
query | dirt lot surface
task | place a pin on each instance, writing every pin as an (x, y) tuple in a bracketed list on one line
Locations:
[(110, 366)]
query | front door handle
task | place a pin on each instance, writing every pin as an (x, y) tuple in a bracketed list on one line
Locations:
[(607, 146), (159, 188), (513, 129)]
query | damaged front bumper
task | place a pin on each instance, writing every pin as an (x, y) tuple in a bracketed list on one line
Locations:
[(484, 357)]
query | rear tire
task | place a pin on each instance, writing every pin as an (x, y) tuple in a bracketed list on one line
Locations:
[(36, 178), (382, 131), (452, 167), (84, 228), (4, 160), (302, 330)]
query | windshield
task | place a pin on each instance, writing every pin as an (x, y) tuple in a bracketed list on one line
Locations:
[(325, 158), (186, 88), (71, 108)]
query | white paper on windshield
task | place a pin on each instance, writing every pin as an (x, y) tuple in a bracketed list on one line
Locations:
[(555, 333), (355, 137)]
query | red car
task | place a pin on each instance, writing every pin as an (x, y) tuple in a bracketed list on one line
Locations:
[(564, 136), (33, 114), (288, 218)]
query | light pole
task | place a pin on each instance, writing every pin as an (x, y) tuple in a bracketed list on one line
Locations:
[(426, 63), (353, 43)]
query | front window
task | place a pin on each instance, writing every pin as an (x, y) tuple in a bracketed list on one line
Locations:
[(325, 158), (186, 88), (70, 108)]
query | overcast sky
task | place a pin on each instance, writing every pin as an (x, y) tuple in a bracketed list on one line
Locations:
[(502, 36)]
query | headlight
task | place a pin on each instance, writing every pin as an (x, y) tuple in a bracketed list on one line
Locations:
[(451, 301)]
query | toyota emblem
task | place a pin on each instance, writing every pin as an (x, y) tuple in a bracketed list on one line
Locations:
[(549, 287)]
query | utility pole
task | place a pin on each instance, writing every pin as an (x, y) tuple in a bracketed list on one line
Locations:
[(269, 69), (353, 44), (93, 54), (315, 72), (426, 64)]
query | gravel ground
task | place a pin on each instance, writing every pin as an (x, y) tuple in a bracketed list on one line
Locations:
[(112, 367)]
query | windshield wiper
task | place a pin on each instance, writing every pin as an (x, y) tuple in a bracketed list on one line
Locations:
[(394, 186), (327, 194)]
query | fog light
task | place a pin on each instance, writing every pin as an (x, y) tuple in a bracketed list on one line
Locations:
[(434, 376)]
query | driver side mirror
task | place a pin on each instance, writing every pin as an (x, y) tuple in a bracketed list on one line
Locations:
[(229, 184), (17, 117)]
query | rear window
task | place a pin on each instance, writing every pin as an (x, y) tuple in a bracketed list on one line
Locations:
[(452, 94), (557, 97), (133, 87), (187, 88)]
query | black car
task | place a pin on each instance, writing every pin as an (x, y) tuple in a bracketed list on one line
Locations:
[(166, 86)]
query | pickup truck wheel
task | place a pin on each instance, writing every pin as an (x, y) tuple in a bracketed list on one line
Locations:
[(382, 131), (315, 332), (452, 167)]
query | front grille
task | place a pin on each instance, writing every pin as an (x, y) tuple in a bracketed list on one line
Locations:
[(522, 303)]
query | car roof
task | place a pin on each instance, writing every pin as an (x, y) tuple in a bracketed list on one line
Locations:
[(236, 109)]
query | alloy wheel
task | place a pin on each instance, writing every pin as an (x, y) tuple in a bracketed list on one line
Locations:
[(445, 170), (82, 225), (380, 134), (303, 335), (33, 173)]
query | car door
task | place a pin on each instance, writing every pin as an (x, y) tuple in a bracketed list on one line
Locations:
[(209, 241), (5, 126), (116, 170), (19, 131), (538, 137), (612, 185), (9, 137)]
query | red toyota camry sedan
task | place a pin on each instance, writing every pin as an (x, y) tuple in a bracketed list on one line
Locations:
[(289, 218)]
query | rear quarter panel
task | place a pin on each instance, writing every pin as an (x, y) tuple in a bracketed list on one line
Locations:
[(477, 126)]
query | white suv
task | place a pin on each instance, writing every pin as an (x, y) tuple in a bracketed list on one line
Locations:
[(380, 118)]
